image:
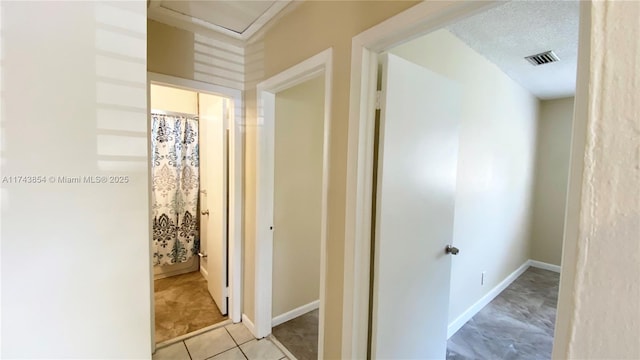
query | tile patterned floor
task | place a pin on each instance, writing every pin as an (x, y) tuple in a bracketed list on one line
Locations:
[(517, 324), (183, 305), (300, 336), (232, 342)]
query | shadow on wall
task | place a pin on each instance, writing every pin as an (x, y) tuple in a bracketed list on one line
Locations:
[(188, 55), (74, 122)]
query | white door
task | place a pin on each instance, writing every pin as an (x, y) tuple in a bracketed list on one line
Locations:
[(416, 186), (213, 195)]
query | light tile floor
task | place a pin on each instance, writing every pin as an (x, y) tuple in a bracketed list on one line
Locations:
[(232, 342)]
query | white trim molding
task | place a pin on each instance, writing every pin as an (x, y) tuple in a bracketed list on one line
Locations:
[(299, 311), (544, 265), (183, 21), (236, 178), (318, 65), (249, 324)]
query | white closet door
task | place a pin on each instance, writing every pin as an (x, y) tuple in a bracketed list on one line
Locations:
[(414, 214)]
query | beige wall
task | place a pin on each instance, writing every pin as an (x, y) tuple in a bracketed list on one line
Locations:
[(211, 58), (172, 99), (598, 307), (552, 174), (169, 50), (496, 159), (311, 28), (297, 195)]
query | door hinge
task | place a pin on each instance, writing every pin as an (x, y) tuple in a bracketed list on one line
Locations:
[(378, 99), (226, 292)]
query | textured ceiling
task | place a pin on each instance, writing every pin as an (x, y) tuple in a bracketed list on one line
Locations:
[(506, 34), (235, 15)]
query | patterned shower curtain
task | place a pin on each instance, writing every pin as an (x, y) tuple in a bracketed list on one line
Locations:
[(175, 189)]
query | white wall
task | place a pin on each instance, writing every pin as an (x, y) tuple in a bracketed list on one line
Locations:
[(75, 257), (495, 166), (299, 129), (551, 177)]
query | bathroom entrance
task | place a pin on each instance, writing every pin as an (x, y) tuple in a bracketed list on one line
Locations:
[(193, 206)]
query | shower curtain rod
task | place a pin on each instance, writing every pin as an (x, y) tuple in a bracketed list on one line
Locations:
[(174, 113)]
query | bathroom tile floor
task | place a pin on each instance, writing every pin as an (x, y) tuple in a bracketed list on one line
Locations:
[(183, 305), (517, 324), (231, 342)]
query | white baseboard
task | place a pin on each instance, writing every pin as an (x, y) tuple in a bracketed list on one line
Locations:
[(249, 324), (456, 324), (295, 313), (165, 271), (475, 308), (544, 265)]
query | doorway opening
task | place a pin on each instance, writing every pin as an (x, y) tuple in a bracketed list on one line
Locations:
[(297, 216), (292, 206), (195, 206), (496, 187), (429, 197)]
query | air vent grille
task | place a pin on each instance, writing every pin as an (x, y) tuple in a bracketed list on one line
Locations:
[(542, 58)]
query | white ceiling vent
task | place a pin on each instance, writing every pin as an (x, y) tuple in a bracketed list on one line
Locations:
[(542, 58)]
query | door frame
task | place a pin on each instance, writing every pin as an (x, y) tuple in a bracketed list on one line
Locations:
[(366, 46), (318, 65), (235, 186)]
